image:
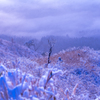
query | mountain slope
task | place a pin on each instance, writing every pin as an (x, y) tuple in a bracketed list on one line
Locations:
[(73, 74)]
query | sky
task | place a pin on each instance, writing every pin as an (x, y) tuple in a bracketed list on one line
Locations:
[(38, 18)]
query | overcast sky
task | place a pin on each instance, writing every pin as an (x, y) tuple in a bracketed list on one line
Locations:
[(39, 18)]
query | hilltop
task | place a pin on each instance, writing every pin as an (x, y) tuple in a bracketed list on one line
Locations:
[(73, 74)]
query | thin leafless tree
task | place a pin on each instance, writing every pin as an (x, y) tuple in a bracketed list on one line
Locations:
[(51, 43)]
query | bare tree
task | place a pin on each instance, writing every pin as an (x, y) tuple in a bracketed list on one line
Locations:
[(51, 43), (33, 44)]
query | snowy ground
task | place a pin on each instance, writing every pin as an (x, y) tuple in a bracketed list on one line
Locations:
[(27, 77)]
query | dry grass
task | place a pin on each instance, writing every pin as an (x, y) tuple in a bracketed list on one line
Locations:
[(71, 58)]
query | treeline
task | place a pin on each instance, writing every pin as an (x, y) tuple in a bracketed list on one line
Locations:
[(61, 42)]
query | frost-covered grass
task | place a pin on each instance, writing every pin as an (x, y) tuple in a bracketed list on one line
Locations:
[(23, 86), (53, 84), (27, 77)]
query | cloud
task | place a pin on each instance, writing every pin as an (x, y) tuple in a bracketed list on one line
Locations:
[(45, 17)]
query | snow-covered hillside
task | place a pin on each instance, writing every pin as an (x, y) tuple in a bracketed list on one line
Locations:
[(73, 74), (11, 49)]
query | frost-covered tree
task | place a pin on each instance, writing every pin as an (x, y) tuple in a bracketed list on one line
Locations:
[(51, 43), (33, 44)]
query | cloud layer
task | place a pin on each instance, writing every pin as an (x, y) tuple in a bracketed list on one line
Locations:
[(39, 18)]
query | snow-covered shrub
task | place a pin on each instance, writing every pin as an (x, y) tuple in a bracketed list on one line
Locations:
[(19, 86)]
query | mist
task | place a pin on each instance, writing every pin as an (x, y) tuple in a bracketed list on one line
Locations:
[(49, 49), (35, 18), (61, 42)]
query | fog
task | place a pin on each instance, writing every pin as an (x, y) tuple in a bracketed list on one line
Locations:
[(39, 18), (49, 49), (68, 23), (60, 42)]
